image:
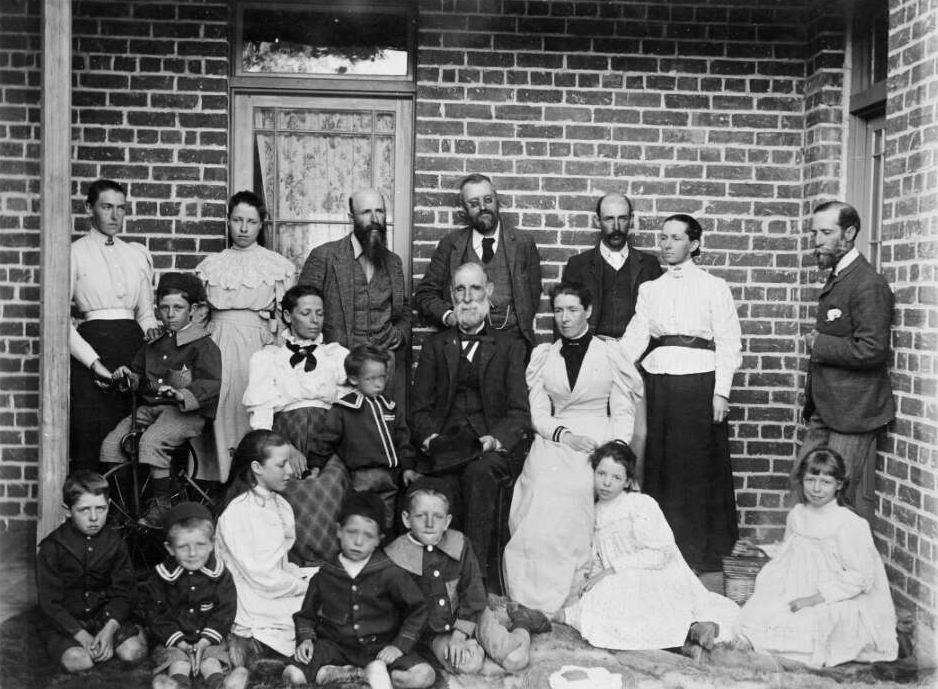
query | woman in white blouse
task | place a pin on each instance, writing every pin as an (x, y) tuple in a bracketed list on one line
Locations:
[(112, 289), (290, 388), (687, 320)]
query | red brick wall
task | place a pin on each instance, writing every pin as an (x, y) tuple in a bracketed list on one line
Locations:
[(687, 108), (907, 482)]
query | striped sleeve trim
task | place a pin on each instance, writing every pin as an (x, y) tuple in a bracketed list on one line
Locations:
[(174, 639), (558, 433), (211, 635)]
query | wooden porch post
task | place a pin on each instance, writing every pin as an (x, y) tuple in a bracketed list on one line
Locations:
[(55, 238)]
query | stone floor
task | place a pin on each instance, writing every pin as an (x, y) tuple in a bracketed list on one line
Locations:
[(724, 669)]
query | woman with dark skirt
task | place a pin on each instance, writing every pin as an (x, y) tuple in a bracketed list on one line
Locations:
[(687, 322), (112, 291), (290, 388)]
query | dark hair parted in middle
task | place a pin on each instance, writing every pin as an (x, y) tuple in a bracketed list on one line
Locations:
[(692, 228), (293, 296), (576, 289)]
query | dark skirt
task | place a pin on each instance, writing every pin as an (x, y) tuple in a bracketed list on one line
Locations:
[(316, 501), (688, 469), (95, 412)]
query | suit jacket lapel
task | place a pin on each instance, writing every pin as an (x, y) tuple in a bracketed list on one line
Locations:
[(451, 352), (344, 265), (509, 242), (485, 353), (595, 285), (458, 254), (634, 262), (842, 275)]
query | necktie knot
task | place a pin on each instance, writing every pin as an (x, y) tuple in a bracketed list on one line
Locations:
[(488, 250), (302, 353)]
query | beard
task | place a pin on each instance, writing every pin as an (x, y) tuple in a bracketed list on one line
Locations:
[(484, 222), (374, 240), (469, 315), (828, 258)]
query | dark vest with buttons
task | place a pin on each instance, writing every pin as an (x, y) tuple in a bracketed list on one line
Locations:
[(497, 270), (467, 402), (614, 300), (372, 304)]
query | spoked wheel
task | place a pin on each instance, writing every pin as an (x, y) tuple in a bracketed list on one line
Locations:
[(187, 488), (126, 505)]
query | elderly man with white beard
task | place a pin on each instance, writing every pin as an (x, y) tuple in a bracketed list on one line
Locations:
[(469, 406)]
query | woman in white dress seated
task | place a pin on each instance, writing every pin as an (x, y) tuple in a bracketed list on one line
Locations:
[(582, 393)]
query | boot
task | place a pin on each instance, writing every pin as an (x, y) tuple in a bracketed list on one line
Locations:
[(522, 617), (156, 510)]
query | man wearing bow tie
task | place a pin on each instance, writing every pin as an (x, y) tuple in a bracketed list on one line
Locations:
[(469, 400), (848, 396), (510, 257), (362, 285)]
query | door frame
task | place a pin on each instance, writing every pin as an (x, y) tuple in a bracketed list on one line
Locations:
[(242, 153)]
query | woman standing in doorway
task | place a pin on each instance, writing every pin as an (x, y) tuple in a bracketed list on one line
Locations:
[(687, 319), (244, 284)]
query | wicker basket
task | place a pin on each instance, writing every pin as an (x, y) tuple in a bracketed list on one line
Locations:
[(739, 576)]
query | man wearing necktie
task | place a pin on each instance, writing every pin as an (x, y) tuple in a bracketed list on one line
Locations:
[(510, 257), (469, 392), (112, 290), (362, 283), (848, 396)]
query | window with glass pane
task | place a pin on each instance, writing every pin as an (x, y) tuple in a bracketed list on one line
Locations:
[(340, 40), (308, 161)]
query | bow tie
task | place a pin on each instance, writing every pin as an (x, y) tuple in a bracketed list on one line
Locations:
[(109, 241), (676, 272), (474, 337), (301, 352)]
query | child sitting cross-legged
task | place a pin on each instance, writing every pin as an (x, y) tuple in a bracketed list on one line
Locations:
[(178, 377), (361, 611), (461, 629), (85, 583), (190, 604), (368, 431)]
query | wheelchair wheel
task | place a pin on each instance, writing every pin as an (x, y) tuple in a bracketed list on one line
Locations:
[(145, 545)]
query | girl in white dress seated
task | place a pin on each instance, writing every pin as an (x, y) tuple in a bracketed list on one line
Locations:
[(824, 598), (639, 592), (255, 532)]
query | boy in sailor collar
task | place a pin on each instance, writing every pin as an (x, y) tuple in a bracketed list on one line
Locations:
[(368, 432), (190, 605), (461, 630)]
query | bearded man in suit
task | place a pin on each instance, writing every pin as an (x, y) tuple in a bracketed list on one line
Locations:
[(848, 396), (362, 283), (470, 406)]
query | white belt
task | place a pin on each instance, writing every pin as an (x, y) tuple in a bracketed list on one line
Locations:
[(110, 315)]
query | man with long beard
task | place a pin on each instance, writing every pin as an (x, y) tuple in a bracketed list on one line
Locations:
[(510, 257), (362, 283), (848, 397), (470, 407)]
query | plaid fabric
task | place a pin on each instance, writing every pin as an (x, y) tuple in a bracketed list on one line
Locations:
[(298, 425), (316, 503)]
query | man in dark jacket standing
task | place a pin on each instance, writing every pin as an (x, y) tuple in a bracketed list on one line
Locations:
[(848, 396), (612, 270), (510, 257)]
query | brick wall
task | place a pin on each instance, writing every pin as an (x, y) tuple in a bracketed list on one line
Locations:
[(19, 257), (150, 108), (907, 482), (687, 108)]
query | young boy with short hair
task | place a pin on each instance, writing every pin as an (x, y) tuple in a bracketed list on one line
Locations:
[(360, 610), (85, 582), (367, 431), (461, 630), (178, 377), (190, 604)]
